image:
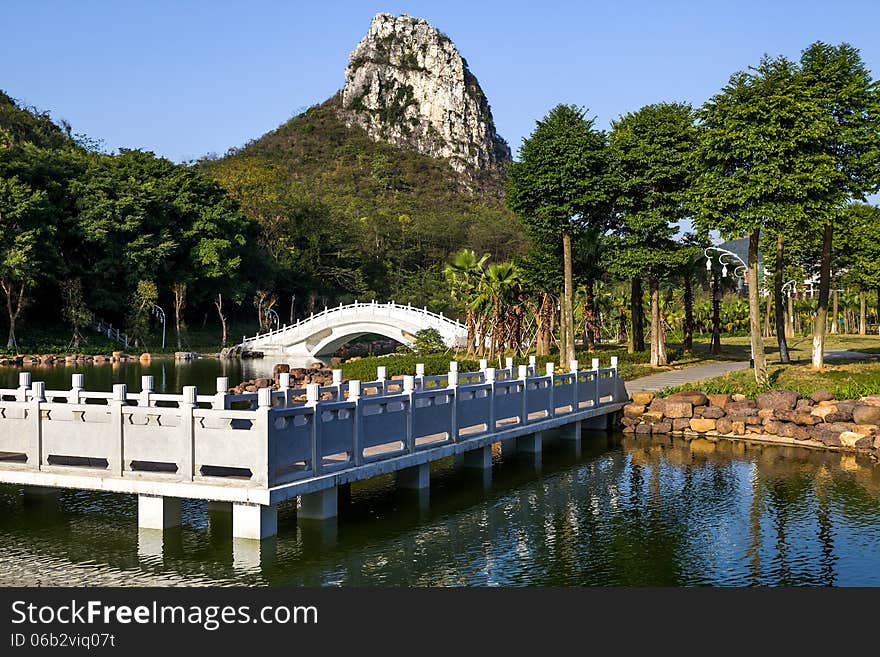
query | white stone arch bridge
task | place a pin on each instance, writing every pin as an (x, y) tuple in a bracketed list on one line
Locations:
[(321, 334)]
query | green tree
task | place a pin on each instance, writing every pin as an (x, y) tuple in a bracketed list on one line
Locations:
[(464, 274), (24, 233), (138, 321), (74, 309), (760, 166), (858, 247), (652, 149), (848, 134), (562, 183)]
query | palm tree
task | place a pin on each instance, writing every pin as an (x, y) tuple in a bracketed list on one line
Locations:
[(464, 274), (499, 288)]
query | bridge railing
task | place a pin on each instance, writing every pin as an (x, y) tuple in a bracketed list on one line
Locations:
[(330, 311), (281, 436)]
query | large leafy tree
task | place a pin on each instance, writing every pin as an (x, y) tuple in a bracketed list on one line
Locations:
[(562, 183), (24, 232), (760, 165), (848, 135), (858, 245), (463, 275), (651, 150)]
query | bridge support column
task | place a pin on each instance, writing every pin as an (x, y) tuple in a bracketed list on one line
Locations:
[(532, 444), (155, 512), (571, 433), (254, 521), (598, 423), (417, 477), (320, 505), (480, 458)]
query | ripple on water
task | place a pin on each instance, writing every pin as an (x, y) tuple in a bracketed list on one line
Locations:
[(639, 512)]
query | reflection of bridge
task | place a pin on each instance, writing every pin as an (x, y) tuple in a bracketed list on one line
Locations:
[(322, 334)]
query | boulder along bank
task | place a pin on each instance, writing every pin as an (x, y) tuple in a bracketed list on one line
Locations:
[(776, 416)]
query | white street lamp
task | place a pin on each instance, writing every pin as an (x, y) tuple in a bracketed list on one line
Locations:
[(157, 312)]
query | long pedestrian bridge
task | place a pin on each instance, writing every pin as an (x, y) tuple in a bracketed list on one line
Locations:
[(247, 453), (321, 334)]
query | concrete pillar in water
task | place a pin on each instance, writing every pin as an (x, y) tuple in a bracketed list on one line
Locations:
[(480, 458), (532, 444), (508, 448), (320, 505), (157, 512), (571, 432), (254, 521), (415, 478), (41, 491)]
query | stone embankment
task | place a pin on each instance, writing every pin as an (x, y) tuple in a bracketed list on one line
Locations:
[(780, 416), (68, 359)]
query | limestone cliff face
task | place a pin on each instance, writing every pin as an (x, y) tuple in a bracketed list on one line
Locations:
[(407, 84)]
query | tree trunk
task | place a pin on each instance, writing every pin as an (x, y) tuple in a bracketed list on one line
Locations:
[(471, 331), (768, 304), (637, 313), (781, 325), (688, 328), (757, 341), (13, 310), (716, 313), (218, 304), (819, 323), (590, 317), (567, 355), (622, 333), (789, 325), (835, 312), (543, 320), (863, 312), (179, 290), (658, 354)]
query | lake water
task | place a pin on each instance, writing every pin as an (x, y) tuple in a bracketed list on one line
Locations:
[(646, 511), (623, 512)]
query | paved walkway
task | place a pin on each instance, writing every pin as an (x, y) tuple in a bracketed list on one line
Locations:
[(690, 374), (695, 373)]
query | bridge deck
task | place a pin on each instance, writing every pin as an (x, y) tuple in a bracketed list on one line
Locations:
[(194, 446)]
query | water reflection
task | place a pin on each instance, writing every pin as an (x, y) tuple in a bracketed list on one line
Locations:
[(633, 511)]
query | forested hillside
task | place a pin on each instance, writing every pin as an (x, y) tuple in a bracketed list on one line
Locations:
[(344, 217)]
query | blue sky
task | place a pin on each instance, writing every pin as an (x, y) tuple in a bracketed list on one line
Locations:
[(187, 78)]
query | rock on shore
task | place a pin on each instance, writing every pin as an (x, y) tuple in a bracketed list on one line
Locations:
[(775, 415)]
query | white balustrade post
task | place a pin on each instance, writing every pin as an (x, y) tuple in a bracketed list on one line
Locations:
[(380, 373), (77, 385), (313, 397), (337, 381), (147, 383), (222, 386), (550, 369), (574, 394), (484, 363), (533, 362), (38, 396), (264, 467), (24, 384), (409, 385), (116, 459), (614, 362), (508, 364), (523, 376), (187, 427), (284, 388), (452, 383), (573, 366), (490, 379), (595, 363), (354, 395)]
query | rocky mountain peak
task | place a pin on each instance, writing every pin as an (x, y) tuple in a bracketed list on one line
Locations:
[(407, 84)]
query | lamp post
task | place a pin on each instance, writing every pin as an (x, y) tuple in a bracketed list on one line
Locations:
[(273, 318), (729, 259), (159, 314), (788, 289)]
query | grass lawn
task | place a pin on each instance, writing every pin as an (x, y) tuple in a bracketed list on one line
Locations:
[(847, 380)]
